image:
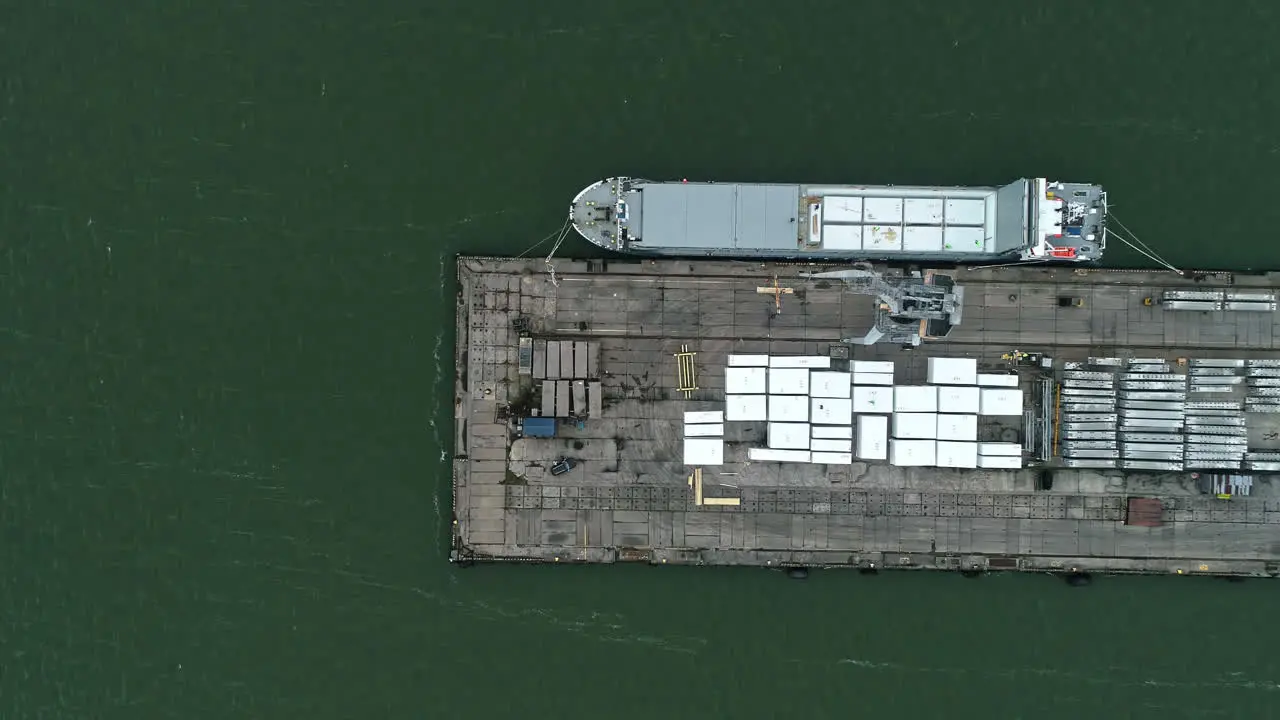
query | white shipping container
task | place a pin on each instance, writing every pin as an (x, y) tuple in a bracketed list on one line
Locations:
[(832, 458), (873, 366), (882, 210), (915, 398), (745, 380), (958, 427), (966, 211), (922, 239), (788, 381), (788, 436), (704, 416), (866, 378), (841, 208), (915, 426), (872, 399), (964, 239), (800, 361), (882, 237), (999, 462), (840, 446), (703, 451), (873, 437), (834, 432), (842, 237), (745, 408), (953, 371), (788, 408), (923, 211), (1001, 401), (831, 411), (958, 399), (749, 361), (957, 454), (912, 453), (704, 430), (771, 455), (829, 384), (998, 380), (1006, 449)]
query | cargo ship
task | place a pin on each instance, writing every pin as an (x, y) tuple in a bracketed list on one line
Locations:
[(1031, 220)]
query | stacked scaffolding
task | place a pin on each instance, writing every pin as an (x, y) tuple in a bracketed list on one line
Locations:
[(1263, 461), (1141, 414), (1263, 390), (1217, 436), (1218, 300), (1129, 414), (1152, 415), (1088, 420)]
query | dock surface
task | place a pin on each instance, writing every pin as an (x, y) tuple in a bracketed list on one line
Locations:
[(630, 497)]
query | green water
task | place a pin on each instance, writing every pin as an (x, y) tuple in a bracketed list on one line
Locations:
[(226, 242)]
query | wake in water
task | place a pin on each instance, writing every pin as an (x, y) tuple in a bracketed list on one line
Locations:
[(438, 389), (1115, 676), (608, 627)]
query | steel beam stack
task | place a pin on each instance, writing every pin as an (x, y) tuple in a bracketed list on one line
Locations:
[(1218, 300), (1088, 420), (1217, 438), (1144, 414), (1262, 393), (1152, 409), (1262, 461)]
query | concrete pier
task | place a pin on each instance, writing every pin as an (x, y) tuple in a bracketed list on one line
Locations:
[(629, 496)]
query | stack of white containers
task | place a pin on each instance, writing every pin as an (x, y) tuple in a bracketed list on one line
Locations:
[(915, 426), (704, 438), (872, 372), (785, 382), (831, 415), (872, 402), (999, 395), (745, 381), (1002, 456), (1001, 401), (811, 412), (959, 400)]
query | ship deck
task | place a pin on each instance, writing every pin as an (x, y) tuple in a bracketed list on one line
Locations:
[(629, 498)]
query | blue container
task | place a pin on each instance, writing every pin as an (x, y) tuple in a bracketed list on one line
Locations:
[(538, 427)]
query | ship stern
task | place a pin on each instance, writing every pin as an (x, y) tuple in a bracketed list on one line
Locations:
[(1067, 222)]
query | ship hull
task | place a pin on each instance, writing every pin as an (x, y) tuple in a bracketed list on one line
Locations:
[(1027, 221)]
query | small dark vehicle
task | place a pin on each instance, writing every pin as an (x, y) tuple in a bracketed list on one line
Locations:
[(563, 465)]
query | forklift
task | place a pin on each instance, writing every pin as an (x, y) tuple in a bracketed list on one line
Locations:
[(1018, 357)]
